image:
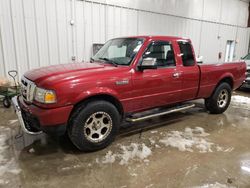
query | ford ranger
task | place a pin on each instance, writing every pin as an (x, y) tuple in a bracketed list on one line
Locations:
[(126, 77)]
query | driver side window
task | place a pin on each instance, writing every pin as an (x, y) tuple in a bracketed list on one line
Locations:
[(162, 52)]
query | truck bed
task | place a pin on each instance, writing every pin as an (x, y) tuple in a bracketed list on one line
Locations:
[(211, 73)]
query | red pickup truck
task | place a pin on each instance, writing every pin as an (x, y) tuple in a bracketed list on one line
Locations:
[(127, 76)]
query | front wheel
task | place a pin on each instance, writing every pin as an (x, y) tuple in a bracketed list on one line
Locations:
[(6, 102), (94, 126), (220, 99)]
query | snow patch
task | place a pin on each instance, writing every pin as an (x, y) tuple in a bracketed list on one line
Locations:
[(13, 121), (71, 167), (123, 186), (152, 141), (191, 169), (128, 153), (134, 174), (134, 151), (109, 157), (7, 165), (188, 140), (157, 146), (215, 185), (148, 186), (241, 101), (245, 166), (219, 148), (31, 150), (153, 132)]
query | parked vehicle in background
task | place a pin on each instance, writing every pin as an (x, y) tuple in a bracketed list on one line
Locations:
[(246, 83), (126, 76)]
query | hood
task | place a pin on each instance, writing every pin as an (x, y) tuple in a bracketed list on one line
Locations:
[(60, 71)]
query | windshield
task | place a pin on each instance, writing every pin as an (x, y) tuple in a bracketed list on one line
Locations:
[(119, 51), (247, 57)]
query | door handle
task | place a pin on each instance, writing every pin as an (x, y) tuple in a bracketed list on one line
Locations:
[(176, 75)]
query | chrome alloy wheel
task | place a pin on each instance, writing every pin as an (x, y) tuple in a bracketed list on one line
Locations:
[(97, 127), (222, 98)]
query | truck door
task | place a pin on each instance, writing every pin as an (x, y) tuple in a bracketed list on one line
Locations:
[(157, 87), (189, 71)]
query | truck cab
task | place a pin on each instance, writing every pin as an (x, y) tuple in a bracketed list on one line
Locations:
[(174, 61)]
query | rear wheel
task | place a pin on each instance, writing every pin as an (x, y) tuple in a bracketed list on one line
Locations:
[(94, 126), (220, 99)]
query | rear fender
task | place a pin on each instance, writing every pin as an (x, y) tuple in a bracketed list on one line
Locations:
[(225, 76)]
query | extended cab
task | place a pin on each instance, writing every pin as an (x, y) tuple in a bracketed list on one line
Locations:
[(88, 100)]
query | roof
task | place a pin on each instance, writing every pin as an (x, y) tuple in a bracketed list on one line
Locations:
[(157, 37)]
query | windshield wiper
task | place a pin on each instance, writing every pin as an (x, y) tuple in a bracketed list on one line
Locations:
[(108, 60)]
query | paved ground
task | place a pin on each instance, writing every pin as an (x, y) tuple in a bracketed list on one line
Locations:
[(188, 149)]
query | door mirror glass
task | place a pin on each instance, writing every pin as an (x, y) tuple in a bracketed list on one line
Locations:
[(148, 63), (199, 59)]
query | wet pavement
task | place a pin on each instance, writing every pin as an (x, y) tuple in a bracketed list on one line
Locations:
[(187, 149)]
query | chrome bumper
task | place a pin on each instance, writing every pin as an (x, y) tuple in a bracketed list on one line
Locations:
[(20, 118)]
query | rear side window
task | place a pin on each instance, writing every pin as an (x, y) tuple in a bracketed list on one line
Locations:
[(162, 52), (187, 53)]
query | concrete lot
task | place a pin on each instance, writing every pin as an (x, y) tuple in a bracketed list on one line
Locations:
[(188, 149)]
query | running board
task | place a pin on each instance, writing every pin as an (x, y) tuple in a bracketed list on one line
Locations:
[(168, 111)]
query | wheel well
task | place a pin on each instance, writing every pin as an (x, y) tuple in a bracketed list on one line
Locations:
[(228, 80), (104, 97)]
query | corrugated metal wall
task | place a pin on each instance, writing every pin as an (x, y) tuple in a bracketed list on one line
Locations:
[(36, 33)]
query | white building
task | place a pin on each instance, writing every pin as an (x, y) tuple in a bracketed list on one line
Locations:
[(36, 33)]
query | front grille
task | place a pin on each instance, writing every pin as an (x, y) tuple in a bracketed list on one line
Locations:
[(248, 73), (27, 89)]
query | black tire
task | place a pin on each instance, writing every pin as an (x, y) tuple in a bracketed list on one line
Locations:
[(214, 103), (80, 132), (6, 102)]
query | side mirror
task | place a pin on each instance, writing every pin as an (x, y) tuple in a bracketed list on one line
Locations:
[(148, 63), (199, 59)]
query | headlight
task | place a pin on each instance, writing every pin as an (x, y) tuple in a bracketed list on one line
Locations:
[(45, 96)]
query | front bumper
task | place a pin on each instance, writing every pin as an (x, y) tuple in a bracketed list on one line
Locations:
[(20, 118), (35, 120)]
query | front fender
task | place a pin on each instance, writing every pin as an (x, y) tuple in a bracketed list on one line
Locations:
[(96, 91)]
